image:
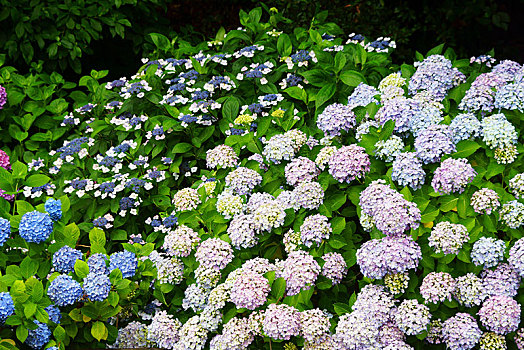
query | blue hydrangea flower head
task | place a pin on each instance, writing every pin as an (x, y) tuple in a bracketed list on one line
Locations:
[(5, 230), (64, 290), (54, 313), (39, 337), (97, 286), (54, 208), (125, 261), (97, 264), (7, 307), (65, 258), (35, 227), (488, 251)]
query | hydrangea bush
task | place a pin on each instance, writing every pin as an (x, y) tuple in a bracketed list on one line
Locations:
[(270, 190)]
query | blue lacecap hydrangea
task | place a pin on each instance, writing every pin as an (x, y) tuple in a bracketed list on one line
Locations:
[(5, 230), (97, 264), (39, 337), (54, 313), (63, 290), (97, 286), (54, 208), (65, 258), (125, 261), (7, 307), (35, 227)]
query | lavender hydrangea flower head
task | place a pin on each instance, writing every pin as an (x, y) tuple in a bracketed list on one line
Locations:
[(315, 229), (3, 97), (243, 180), (485, 201), (181, 241), (65, 258), (390, 334), (335, 267), (222, 156), (399, 109), (465, 126), (461, 332), (504, 280), (348, 163), (424, 117), (300, 270), (392, 254), (299, 170), (411, 317), (407, 171), (437, 287), (186, 199), (362, 96), (469, 290), (134, 335), (500, 314), (453, 175), (163, 330), (236, 335), (281, 322), (192, 334), (336, 118), (488, 251), (510, 97), (314, 326), (516, 257), (229, 204), (250, 290), (309, 195), (512, 214), (242, 231), (356, 331), (434, 142), (448, 238), (519, 339), (375, 303), (215, 253)]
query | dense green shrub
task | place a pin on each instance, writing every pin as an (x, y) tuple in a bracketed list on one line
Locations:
[(355, 178)]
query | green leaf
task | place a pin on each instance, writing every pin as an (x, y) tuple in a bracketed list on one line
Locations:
[(317, 77), (161, 42), (19, 170), (21, 333), (97, 238), (29, 309), (465, 148), (284, 46), (324, 94), (81, 269), (181, 147), (341, 308), (278, 288), (59, 333), (297, 93), (37, 180), (99, 331), (352, 78), (230, 108)]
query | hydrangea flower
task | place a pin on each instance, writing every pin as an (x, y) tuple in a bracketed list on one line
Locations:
[(315, 229), (54, 208), (192, 334), (516, 257), (214, 253), (411, 317), (309, 195), (314, 326), (434, 142), (461, 332), (448, 238), (4, 157), (500, 314), (5, 230), (399, 109), (97, 286), (387, 255), (229, 204), (465, 126), (407, 171), (498, 132), (397, 282), (512, 214), (453, 175), (334, 268), (37, 338), (389, 149), (125, 261), (269, 215), (510, 96), (64, 291), (485, 201), (242, 231), (362, 96), (504, 280), (7, 306), (336, 118), (436, 75), (35, 227), (98, 263), (492, 341), (54, 313), (65, 258), (299, 170), (3, 97), (181, 241), (300, 270), (243, 180), (348, 163), (250, 290), (516, 185), (281, 322), (488, 251), (186, 199), (437, 287), (222, 156), (356, 331), (163, 330), (469, 290), (279, 147)]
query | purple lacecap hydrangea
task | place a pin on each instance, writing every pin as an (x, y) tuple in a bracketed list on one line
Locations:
[(97, 286), (336, 118), (488, 251), (348, 163), (242, 231), (391, 213), (504, 280), (516, 257), (453, 175), (65, 258), (214, 253), (485, 201), (125, 261), (300, 270), (250, 290), (434, 142), (500, 314), (461, 332), (412, 317), (281, 322), (391, 254), (437, 287), (299, 170), (64, 291), (407, 171), (243, 180), (335, 267), (315, 229)]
